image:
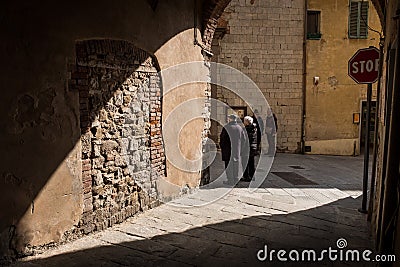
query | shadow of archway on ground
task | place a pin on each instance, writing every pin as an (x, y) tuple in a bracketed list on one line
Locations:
[(231, 242)]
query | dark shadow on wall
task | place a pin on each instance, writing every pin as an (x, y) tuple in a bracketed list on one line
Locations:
[(48, 126), (120, 119), (40, 113), (232, 243)]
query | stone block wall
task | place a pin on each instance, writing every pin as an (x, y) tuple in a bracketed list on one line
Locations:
[(122, 146), (264, 40)]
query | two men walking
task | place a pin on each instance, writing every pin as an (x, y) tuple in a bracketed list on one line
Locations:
[(241, 144)]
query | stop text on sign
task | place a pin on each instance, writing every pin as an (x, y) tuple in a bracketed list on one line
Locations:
[(365, 66)]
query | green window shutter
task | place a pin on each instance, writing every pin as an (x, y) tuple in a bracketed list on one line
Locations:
[(353, 20), (358, 19), (363, 19)]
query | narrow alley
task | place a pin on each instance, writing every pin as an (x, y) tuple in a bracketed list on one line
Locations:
[(307, 202), (118, 119)]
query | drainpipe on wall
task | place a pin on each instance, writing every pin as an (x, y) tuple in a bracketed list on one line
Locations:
[(303, 116)]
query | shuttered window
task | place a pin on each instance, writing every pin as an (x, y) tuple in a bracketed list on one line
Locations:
[(358, 19)]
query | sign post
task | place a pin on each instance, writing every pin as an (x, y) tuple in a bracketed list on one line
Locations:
[(366, 150), (363, 67)]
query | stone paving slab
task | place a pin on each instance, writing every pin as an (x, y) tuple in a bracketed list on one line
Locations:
[(231, 230)]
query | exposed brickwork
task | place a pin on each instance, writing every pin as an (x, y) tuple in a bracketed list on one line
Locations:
[(205, 174), (213, 9), (157, 156), (264, 40), (120, 116)]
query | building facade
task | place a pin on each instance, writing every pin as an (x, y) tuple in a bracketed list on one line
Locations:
[(297, 53), (264, 40), (335, 104)]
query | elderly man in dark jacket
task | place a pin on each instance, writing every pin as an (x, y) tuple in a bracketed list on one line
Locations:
[(248, 160), (232, 139)]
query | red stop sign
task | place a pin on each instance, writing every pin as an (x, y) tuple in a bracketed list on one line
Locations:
[(364, 65)]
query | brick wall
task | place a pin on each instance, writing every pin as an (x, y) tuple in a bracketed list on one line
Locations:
[(264, 40), (120, 116)]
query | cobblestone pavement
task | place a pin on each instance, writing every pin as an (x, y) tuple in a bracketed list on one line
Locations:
[(233, 229)]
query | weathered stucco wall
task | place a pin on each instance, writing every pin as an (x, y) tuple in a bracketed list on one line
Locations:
[(189, 144), (40, 117), (264, 40), (330, 104)]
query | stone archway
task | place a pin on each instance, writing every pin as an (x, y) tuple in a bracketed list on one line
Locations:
[(120, 117), (212, 10)]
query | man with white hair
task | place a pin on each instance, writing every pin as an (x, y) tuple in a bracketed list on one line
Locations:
[(248, 158)]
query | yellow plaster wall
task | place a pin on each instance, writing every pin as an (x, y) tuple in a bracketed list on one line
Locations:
[(330, 104)]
